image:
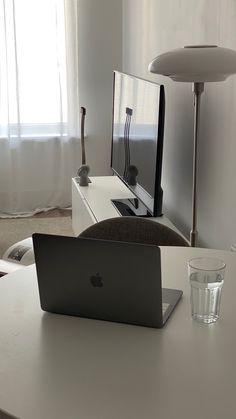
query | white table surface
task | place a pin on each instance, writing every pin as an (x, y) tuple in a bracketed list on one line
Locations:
[(54, 366)]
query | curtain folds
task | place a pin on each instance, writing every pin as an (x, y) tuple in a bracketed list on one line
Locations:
[(39, 104)]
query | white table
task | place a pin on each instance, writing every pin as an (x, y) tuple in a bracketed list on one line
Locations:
[(59, 367)]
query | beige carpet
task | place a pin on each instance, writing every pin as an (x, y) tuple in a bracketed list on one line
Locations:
[(51, 222)]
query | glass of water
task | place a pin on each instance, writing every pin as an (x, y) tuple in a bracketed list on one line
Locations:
[(206, 277)]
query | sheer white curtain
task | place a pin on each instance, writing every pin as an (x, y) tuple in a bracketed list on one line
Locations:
[(39, 105)]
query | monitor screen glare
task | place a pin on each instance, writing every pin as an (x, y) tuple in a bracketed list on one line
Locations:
[(135, 135)]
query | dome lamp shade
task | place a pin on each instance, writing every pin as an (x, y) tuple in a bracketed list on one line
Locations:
[(196, 63)]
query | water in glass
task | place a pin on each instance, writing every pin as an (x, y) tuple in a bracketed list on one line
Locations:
[(205, 295)]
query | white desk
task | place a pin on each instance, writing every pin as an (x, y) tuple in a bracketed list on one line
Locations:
[(59, 367)]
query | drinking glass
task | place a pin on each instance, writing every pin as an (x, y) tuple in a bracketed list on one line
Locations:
[(206, 277)]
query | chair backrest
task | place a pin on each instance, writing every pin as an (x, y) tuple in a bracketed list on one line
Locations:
[(134, 229)]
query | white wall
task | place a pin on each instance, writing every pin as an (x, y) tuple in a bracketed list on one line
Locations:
[(100, 52), (155, 26)]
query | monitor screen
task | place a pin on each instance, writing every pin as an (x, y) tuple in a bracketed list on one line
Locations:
[(137, 137)]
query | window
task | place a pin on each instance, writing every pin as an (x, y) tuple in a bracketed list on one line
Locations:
[(33, 90)]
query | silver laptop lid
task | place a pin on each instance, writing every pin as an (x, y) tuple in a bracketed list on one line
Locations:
[(99, 279)]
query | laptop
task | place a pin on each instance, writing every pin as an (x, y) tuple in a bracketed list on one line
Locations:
[(101, 279)]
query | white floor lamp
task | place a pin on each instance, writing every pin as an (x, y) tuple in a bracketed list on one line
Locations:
[(196, 64)]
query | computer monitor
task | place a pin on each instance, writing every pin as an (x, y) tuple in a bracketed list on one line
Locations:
[(137, 142)]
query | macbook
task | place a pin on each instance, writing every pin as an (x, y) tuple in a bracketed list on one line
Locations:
[(100, 279)]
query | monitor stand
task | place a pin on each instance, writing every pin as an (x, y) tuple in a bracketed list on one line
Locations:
[(131, 207)]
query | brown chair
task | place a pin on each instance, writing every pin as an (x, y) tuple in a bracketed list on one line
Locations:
[(134, 229)]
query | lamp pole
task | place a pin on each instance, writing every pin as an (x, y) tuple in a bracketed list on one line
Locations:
[(198, 88)]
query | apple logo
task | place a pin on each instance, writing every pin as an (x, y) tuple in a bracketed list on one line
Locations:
[(96, 280)]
